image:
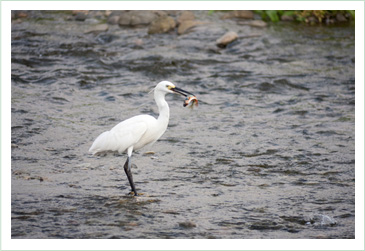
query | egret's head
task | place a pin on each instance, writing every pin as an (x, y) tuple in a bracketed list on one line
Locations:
[(165, 87), (168, 87)]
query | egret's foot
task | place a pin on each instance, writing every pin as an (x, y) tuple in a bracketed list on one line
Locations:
[(133, 194)]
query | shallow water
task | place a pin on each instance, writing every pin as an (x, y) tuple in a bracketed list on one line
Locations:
[(269, 152)]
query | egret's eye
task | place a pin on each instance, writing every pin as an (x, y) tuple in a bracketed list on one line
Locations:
[(169, 87)]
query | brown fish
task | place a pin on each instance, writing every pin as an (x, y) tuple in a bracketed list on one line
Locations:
[(190, 101)]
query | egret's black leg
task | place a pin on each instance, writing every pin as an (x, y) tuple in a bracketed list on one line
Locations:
[(128, 172)]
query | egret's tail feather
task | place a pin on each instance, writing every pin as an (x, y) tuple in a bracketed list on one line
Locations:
[(104, 142)]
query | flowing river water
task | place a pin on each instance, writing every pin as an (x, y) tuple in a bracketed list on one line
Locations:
[(268, 153)]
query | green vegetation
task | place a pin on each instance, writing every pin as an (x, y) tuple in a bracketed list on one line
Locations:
[(307, 16)]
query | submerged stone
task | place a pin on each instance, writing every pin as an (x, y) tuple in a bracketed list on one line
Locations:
[(227, 38), (187, 224), (258, 23), (185, 16), (98, 28), (136, 18), (243, 14), (162, 24), (185, 26)]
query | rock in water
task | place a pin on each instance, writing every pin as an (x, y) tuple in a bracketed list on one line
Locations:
[(187, 25), (136, 18), (98, 28), (258, 23), (227, 38), (244, 14), (320, 220), (287, 18), (341, 18), (81, 16), (185, 16), (187, 224), (162, 24), (113, 20)]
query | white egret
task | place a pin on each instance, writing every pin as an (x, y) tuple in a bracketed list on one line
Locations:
[(139, 131)]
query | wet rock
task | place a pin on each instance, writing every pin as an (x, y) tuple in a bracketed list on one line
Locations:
[(35, 178), (185, 16), (20, 173), (320, 220), (99, 14), (340, 17), (265, 225), (227, 38), (162, 24), (171, 212), (22, 14), (329, 20), (287, 18), (81, 16), (75, 12), (243, 14), (185, 26), (137, 18), (114, 16), (213, 49), (172, 13), (160, 13), (113, 20), (18, 14), (149, 153), (258, 24), (106, 38), (98, 28), (187, 224), (83, 166), (312, 20), (138, 42)]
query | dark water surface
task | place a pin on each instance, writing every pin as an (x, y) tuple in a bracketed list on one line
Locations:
[(269, 153)]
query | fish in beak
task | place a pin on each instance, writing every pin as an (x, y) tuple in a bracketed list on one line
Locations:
[(190, 98), (190, 101)]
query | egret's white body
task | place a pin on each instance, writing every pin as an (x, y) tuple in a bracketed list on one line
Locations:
[(139, 131), (133, 133)]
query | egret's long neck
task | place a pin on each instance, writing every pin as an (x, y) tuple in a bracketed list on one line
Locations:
[(163, 107)]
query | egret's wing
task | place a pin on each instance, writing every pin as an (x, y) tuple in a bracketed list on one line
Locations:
[(120, 137)]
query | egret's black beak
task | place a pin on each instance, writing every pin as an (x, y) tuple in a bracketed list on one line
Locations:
[(181, 91)]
